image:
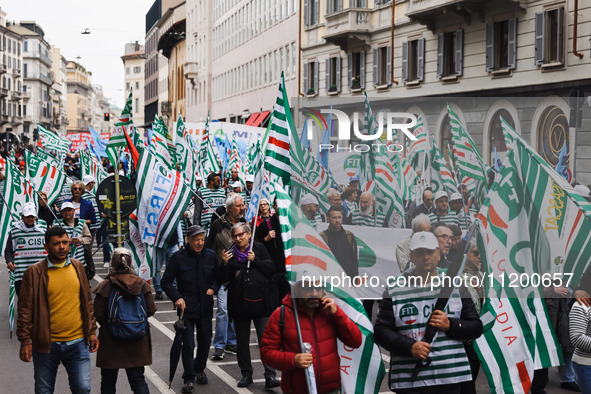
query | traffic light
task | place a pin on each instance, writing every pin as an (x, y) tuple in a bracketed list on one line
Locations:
[(107, 116)]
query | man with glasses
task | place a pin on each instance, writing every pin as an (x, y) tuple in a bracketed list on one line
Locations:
[(444, 237), (321, 323), (427, 205), (84, 211)]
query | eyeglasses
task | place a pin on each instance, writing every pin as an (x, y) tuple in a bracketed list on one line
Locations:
[(445, 237), (239, 235), (76, 188)]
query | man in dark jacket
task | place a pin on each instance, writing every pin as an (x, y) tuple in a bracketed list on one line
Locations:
[(195, 270), (321, 323), (341, 242), (407, 310)]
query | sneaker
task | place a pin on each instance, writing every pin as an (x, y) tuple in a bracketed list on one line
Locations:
[(200, 377), (106, 265), (218, 355), (571, 386), (187, 388), (159, 295), (271, 382), (245, 381), (231, 349)]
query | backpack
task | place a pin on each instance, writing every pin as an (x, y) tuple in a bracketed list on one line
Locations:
[(127, 317)]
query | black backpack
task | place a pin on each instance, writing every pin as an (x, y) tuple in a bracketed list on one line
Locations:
[(252, 294), (127, 317)]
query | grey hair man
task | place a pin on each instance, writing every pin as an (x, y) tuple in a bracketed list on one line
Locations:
[(420, 223)]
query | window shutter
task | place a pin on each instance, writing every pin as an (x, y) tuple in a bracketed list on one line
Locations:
[(512, 47), (459, 52), (362, 69), (490, 47), (327, 75), (420, 59), (338, 74), (405, 62), (328, 10), (316, 87), (440, 38), (350, 70), (539, 38), (306, 16), (306, 85), (389, 65), (340, 5), (560, 35), (375, 67), (316, 11)]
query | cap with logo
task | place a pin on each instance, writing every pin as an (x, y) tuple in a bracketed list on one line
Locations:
[(29, 210), (250, 178), (439, 194), (423, 240), (67, 205), (455, 196)]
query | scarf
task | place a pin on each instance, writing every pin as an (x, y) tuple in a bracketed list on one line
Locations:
[(242, 257)]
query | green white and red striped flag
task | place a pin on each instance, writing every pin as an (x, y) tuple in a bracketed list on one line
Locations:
[(51, 141), (163, 197), (307, 254), (533, 224), (161, 145), (117, 142), (89, 165), (142, 253), (420, 146), (441, 176), (207, 159), (44, 176), (185, 155), (469, 162), (277, 159), (235, 161), (11, 301), (17, 192)]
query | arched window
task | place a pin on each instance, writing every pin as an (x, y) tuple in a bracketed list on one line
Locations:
[(495, 132), (553, 134)]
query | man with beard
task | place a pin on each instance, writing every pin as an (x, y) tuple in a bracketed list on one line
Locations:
[(341, 242), (441, 213), (444, 237), (321, 323), (208, 200), (364, 215), (310, 209)]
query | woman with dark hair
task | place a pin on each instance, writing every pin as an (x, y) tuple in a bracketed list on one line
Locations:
[(349, 201), (115, 353)]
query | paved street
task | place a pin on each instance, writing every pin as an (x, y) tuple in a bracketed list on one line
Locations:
[(222, 375)]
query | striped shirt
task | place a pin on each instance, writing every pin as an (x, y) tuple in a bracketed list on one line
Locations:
[(213, 198), (89, 196), (28, 245), (579, 323), (450, 218), (357, 219), (76, 251)]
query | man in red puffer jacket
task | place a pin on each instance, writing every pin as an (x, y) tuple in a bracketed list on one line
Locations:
[(321, 323)]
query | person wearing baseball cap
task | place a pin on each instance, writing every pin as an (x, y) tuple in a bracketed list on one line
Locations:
[(248, 191), (456, 205), (408, 308), (28, 231), (311, 208), (441, 212), (190, 281), (79, 235)]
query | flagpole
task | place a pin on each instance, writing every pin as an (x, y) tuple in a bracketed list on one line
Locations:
[(311, 384)]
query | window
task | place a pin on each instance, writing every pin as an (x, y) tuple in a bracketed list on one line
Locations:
[(550, 37), (413, 60), (127, 70), (497, 138), (310, 12), (501, 40), (25, 70), (311, 78), (137, 105), (449, 54), (358, 3), (137, 85), (333, 6), (356, 70), (333, 74), (382, 66), (445, 142), (137, 70), (127, 86)]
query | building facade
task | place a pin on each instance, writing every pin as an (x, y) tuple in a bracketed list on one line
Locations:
[(59, 76), (134, 63), (523, 60), (79, 98)]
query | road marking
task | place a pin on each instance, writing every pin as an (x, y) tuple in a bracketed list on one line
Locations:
[(155, 379), (232, 362)]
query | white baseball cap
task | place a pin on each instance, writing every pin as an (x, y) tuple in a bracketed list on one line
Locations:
[(67, 205), (308, 199), (439, 194), (423, 239), (236, 184), (29, 210), (87, 179), (250, 178), (455, 196), (583, 190)]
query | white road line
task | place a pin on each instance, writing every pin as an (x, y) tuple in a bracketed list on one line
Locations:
[(156, 381), (231, 362), (170, 311)]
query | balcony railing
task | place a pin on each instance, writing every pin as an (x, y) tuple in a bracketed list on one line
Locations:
[(3, 118), (191, 70), (45, 78), (26, 95), (28, 119), (348, 27), (2, 68), (16, 72), (3, 92), (17, 95), (45, 59)]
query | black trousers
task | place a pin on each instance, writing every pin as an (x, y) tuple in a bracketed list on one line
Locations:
[(135, 376), (203, 326), (439, 389), (242, 328)]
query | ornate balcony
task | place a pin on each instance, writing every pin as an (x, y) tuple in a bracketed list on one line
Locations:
[(3, 92), (348, 28), (16, 95), (191, 70)]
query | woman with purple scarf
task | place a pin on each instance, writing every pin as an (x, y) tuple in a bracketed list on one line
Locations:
[(249, 272)]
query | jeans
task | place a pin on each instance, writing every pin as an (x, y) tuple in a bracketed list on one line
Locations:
[(567, 373), (203, 342), (224, 329), (583, 373), (76, 360), (135, 376), (160, 256), (243, 340)]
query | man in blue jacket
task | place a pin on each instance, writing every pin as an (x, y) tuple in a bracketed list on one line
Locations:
[(195, 270)]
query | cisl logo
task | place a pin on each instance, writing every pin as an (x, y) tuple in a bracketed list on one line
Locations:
[(407, 312)]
